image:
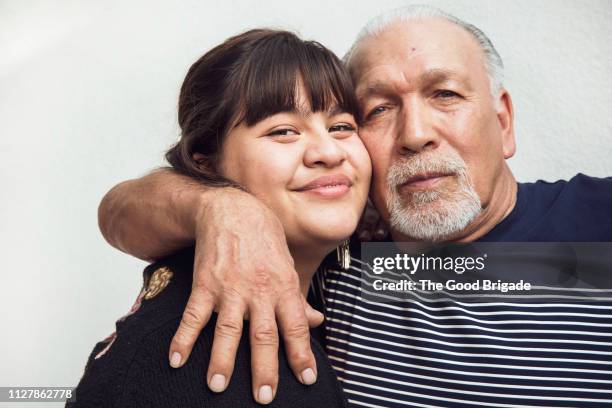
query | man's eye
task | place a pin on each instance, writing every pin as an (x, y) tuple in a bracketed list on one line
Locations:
[(342, 127), (446, 94), (376, 111)]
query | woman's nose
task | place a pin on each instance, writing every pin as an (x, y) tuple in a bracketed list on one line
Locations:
[(324, 150)]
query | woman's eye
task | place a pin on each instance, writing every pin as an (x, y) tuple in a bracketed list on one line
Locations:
[(342, 127), (283, 132)]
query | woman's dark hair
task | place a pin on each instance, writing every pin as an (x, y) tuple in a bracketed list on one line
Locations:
[(247, 78)]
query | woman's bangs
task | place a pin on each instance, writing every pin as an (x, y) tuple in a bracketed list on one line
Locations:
[(281, 69)]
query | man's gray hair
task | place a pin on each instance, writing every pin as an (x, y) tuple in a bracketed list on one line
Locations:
[(495, 66)]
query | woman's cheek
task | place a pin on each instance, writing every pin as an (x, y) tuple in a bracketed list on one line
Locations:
[(270, 169), (361, 162)]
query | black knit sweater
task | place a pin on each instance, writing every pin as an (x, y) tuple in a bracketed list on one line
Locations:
[(134, 371)]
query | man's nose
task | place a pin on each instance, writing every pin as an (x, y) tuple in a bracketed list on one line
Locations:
[(415, 129), (324, 150)]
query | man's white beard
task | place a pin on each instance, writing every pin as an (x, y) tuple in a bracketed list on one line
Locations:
[(436, 214)]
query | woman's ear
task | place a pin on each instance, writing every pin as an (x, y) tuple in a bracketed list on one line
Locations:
[(198, 158), (205, 163)]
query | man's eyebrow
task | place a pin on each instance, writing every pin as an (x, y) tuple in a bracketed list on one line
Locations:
[(438, 75), (376, 88), (428, 78)]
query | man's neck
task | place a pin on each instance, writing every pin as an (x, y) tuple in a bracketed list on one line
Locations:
[(501, 205)]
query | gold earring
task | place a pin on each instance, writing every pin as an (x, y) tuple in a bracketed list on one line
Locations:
[(344, 254)]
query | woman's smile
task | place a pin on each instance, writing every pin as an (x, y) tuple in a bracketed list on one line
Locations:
[(329, 186)]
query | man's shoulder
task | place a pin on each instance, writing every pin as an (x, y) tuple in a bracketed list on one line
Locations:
[(595, 185), (579, 183), (581, 192), (577, 209)]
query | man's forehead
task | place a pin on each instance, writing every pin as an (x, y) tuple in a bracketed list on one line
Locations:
[(425, 32), (417, 46)]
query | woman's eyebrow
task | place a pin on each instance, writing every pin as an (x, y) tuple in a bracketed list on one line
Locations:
[(306, 111), (336, 109)]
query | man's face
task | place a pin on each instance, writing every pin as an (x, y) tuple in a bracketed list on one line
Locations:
[(436, 136)]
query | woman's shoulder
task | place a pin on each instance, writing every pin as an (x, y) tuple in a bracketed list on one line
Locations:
[(157, 309), (132, 369), (151, 382)]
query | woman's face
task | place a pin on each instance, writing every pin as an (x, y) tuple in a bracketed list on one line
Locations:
[(310, 168)]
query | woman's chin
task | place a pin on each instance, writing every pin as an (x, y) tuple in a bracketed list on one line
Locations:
[(333, 234), (323, 229)]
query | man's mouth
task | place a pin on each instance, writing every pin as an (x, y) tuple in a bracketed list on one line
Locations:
[(424, 181)]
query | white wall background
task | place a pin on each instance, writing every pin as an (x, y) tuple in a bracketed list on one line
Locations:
[(88, 93)]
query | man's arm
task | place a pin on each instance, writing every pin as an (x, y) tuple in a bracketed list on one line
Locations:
[(152, 216), (242, 268)]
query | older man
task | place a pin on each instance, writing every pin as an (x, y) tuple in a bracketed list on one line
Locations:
[(438, 126)]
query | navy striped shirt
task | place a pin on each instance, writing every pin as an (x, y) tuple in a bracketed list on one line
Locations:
[(447, 352)]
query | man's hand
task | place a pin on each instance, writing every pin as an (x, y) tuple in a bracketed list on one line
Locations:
[(242, 269)]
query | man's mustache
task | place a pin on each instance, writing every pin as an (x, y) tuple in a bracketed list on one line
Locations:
[(424, 166)]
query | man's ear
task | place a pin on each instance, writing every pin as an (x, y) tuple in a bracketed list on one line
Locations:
[(505, 116)]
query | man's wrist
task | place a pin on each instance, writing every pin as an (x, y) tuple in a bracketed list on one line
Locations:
[(206, 201)]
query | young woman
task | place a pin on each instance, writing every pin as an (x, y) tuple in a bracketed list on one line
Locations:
[(277, 117)]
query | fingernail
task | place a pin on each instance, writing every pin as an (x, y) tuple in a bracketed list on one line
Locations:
[(175, 360), (265, 395), (308, 376), (217, 383)]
